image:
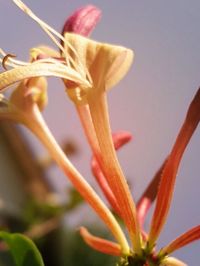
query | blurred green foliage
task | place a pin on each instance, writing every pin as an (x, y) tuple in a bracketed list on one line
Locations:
[(63, 246), (23, 250)]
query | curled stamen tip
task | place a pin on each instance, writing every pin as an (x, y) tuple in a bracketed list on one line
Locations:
[(5, 59), (83, 20)]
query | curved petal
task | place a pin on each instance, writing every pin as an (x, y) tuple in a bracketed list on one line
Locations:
[(183, 240), (100, 244), (40, 69), (120, 66), (37, 52), (107, 64), (166, 188), (149, 195), (171, 261)]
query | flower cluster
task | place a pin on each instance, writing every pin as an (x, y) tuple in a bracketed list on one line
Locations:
[(89, 69)]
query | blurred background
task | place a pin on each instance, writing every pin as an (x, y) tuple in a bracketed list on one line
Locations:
[(150, 102)]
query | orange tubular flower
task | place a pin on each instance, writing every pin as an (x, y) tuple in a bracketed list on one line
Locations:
[(106, 65), (89, 69), (119, 139)]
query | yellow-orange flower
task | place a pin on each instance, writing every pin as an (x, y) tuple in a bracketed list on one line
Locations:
[(89, 69)]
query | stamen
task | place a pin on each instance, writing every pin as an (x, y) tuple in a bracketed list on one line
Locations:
[(10, 61), (5, 59), (44, 26), (51, 61), (50, 31)]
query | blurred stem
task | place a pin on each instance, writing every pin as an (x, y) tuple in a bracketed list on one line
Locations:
[(31, 173), (42, 229)]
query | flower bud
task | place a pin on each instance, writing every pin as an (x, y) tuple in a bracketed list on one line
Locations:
[(30, 91), (82, 21)]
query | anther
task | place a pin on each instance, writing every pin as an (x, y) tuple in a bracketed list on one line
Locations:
[(5, 59)]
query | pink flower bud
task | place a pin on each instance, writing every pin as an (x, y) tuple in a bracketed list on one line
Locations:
[(82, 21)]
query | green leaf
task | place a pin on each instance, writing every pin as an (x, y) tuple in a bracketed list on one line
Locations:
[(23, 250)]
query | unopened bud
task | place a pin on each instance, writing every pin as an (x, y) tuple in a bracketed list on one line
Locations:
[(82, 21), (30, 91)]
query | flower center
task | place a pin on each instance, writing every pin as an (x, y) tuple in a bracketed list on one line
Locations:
[(145, 259)]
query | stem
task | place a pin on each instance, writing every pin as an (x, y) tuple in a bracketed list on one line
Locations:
[(40, 129)]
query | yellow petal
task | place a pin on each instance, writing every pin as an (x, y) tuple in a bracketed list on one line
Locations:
[(171, 261), (43, 50), (40, 69), (107, 64)]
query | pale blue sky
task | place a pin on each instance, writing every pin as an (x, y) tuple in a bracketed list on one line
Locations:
[(150, 102)]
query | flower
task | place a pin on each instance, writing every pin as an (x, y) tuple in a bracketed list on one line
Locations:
[(82, 21), (163, 193), (34, 121), (89, 69), (18, 107)]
